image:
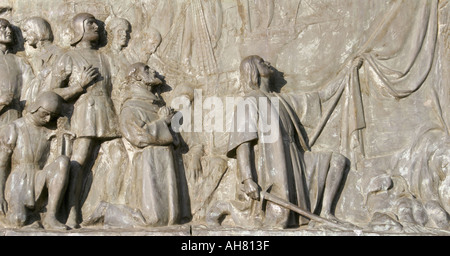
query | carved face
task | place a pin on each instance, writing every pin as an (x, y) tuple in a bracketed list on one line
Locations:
[(6, 33), (29, 35), (42, 116), (90, 30), (148, 76), (153, 44), (121, 36), (264, 68)]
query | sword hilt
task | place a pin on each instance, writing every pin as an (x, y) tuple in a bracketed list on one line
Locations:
[(263, 193)]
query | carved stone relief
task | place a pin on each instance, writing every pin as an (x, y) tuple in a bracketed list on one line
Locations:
[(289, 114)]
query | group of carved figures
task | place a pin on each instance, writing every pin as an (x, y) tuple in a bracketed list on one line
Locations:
[(57, 106), (46, 89)]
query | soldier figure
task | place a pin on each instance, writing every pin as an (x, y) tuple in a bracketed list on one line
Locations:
[(82, 77), (25, 143)]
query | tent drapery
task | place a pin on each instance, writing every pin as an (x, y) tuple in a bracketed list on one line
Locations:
[(399, 55)]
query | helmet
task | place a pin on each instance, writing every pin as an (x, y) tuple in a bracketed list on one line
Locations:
[(48, 100), (78, 27)]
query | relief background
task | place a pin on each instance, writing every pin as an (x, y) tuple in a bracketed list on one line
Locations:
[(312, 43)]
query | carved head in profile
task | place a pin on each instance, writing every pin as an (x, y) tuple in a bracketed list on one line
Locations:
[(154, 40), (252, 68), (46, 108), (141, 72), (6, 32), (120, 30), (35, 30), (85, 28)]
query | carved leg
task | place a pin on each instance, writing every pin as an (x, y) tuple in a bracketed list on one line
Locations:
[(82, 148), (57, 179), (337, 167), (17, 211), (17, 214)]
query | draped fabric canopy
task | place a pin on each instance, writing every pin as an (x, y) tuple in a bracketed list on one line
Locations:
[(397, 58)]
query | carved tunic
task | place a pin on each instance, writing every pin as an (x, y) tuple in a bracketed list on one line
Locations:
[(41, 64), (11, 70), (153, 182), (29, 148), (93, 111)]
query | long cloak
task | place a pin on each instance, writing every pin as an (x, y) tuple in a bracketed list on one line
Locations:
[(153, 185), (277, 161)]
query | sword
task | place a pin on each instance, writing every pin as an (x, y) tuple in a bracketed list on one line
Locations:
[(265, 195), (64, 136)]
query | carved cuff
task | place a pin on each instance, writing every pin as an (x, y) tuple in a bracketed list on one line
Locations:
[(77, 85)]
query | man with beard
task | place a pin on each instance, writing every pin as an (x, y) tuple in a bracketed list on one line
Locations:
[(146, 125), (152, 197)]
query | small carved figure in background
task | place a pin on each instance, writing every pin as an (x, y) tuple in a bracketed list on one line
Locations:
[(41, 54)]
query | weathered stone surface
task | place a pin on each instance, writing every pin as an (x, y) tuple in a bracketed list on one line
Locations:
[(148, 138)]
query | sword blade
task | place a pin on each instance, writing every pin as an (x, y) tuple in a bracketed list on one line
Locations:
[(283, 203)]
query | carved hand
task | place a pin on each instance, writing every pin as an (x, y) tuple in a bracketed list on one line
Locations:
[(166, 113), (88, 75), (251, 189), (196, 167)]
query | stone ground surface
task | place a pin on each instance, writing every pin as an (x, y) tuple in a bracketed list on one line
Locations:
[(193, 231)]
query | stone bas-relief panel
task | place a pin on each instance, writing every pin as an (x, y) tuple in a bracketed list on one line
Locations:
[(290, 114)]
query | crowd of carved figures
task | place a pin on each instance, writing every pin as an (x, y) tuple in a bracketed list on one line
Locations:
[(89, 135)]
